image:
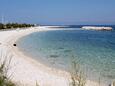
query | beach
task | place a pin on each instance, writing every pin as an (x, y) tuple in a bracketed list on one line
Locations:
[(27, 71)]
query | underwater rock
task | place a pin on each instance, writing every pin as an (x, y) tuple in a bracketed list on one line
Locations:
[(54, 56), (67, 50)]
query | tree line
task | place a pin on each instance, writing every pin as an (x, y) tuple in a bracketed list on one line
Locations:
[(15, 25)]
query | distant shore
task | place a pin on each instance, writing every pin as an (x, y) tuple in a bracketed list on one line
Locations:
[(27, 71), (97, 28), (14, 25)]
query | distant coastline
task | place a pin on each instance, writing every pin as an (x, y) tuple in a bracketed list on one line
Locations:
[(96, 28), (77, 26)]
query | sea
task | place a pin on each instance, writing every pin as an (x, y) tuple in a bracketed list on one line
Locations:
[(93, 51)]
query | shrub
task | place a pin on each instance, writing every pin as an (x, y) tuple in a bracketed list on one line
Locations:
[(77, 76), (4, 67)]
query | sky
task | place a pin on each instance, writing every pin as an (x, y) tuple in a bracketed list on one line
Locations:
[(58, 11)]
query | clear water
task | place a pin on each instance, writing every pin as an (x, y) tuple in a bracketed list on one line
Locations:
[(93, 50)]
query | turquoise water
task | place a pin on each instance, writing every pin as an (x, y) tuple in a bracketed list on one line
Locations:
[(93, 50)]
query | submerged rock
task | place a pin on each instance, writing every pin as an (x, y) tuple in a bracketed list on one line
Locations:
[(67, 50), (60, 48), (54, 56)]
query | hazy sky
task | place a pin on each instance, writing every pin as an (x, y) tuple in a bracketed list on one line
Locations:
[(58, 11)]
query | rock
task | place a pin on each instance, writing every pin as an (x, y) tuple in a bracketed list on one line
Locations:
[(14, 44), (109, 85)]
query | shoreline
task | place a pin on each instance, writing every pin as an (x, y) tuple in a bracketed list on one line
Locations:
[(34, 67), (28, 71)]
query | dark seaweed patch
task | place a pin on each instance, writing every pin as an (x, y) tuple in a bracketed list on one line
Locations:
[(60, 48), (54, 56), (67, 50), (110, 76)]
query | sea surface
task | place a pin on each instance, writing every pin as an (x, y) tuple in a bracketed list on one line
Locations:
[(93, 51)]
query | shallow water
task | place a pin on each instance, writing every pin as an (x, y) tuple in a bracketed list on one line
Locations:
[(93, 50)]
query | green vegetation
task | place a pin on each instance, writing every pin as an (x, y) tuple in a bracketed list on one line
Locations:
[(1, 26), (14, 25), (4, 68), (77, 76), (37, 84)]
